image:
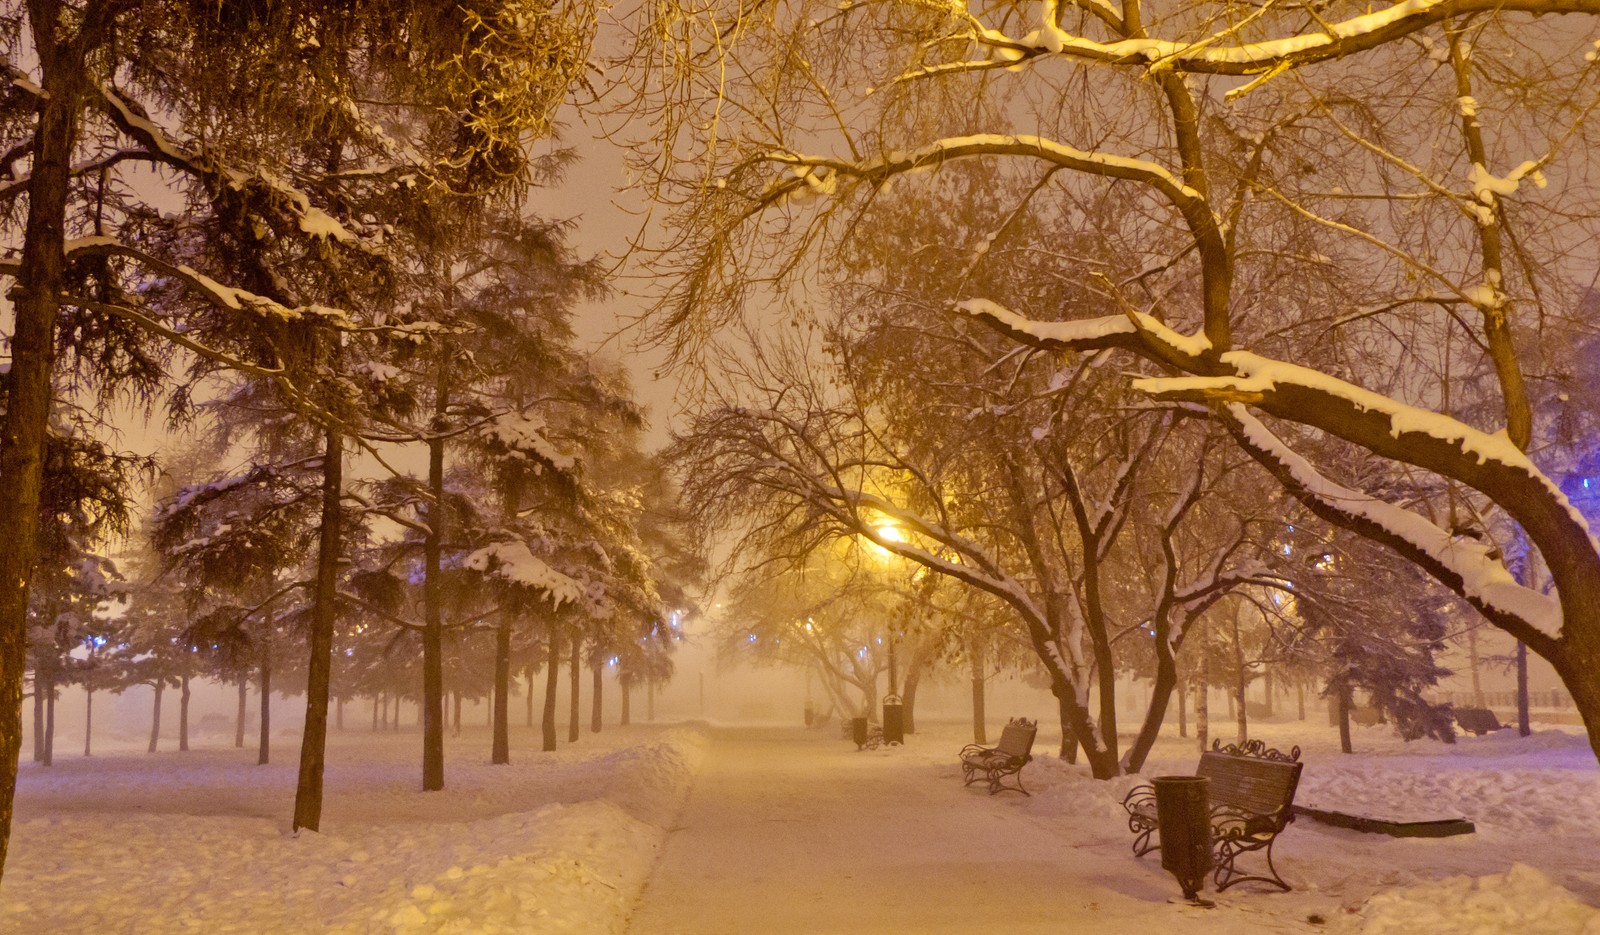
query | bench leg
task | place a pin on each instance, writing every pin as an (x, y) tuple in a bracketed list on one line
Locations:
[(1142, 843), (1228, 851)]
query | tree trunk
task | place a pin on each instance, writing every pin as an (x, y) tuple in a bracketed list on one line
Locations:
[(1202, 696), (433, 600), (264, 739), (32, 351), (596, 709), (551, 681), (1300, 697), (319, 669), (1069, 737), (183, 711), (1473, 662), (338, 714), (238, 720), (908, 698), (976, 667), (375, 699), (1241, 682), (49, 724), (1524, 728), (88, 720), (455, 720), (1183, 710), (1267, 685), (1343, 700), (38, 717), (529, 679), (575, 679), (501, 747), (649, 700), (1160, 696), (155, 718), (627, 698)]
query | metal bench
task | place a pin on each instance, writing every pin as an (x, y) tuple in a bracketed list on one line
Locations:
[(1478, 720), (1251, 795), (1007, 758)]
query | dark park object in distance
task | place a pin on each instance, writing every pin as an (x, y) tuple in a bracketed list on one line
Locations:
[(894, 722)]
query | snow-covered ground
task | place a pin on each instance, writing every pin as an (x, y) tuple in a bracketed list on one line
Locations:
[(199, 842), (799, 833), (812, 833)]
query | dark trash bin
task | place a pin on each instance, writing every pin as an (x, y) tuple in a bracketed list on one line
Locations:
[(1184, 813), (858, 731), (894, 721)]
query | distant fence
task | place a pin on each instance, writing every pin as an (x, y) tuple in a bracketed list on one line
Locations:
[(1554, 699)]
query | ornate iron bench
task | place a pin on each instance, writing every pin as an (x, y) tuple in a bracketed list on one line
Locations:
[(1251, 795), (1478, 720), (1007, 758)]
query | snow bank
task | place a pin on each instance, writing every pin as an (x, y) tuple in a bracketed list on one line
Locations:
[(556, 842), (1522, 900)]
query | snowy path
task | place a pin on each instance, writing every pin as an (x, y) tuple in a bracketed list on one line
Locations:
[(791, 832)]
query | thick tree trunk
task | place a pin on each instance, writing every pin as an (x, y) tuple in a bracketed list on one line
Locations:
[(238, 720), (1267, 686), (433, 602), (551, 681), (32, 354), (574, 681), (501, 747), (1241, 682), (88, 720), (183, 712), (1300, 698), (979, 730), (627, 698), (264, 739), (1524, 728), (1160, 695), (596, 708), (155, 718), (1202, 697), (319, 669)]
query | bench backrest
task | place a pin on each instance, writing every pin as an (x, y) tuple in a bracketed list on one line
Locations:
[(1017, 739), (1256, 784)]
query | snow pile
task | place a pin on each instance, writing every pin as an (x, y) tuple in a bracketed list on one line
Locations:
[(1522, 900), (555, 842)]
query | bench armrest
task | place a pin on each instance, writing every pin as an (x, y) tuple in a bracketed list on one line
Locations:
[(973, 749), (1140, 798)]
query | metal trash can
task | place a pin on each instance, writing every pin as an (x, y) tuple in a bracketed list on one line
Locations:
[(1184, 813), (894, 721), (858, 731)]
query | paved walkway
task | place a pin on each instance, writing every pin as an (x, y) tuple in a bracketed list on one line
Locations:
[(789, 831)]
